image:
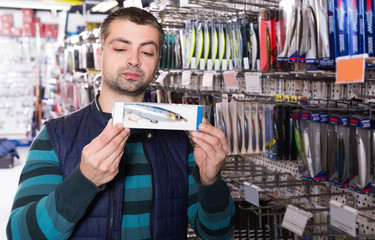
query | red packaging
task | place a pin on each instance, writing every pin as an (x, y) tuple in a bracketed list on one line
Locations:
[(27, 15), (267, 40), (6, 18)]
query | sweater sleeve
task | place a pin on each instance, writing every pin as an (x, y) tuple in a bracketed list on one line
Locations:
[(46, 206), (211, 208)]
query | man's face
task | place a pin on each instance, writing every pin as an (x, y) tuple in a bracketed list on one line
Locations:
[(129, 57)]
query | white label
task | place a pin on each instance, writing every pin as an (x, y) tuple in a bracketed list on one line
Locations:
[(252, 193), (185, 79), (208, 78), (224, 65), (193, 64), (217, 64), (343, 217), (246, 64), (253, 82), (230, 79), (161, 77), (209, 64), (133, 3), (184, 3), (231, 64), (295, 219), (201, 64)]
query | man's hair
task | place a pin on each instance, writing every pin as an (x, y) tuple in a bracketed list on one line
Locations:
[(135, 15)]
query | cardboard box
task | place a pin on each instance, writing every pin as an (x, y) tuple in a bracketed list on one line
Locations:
[(157, 115)]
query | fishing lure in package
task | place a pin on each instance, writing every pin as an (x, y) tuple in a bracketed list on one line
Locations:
[(356, 27), (157, 115), (369, 19), (267, 40), (362, 182), (341, 32)]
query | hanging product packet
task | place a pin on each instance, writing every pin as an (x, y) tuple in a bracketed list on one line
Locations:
[(340, 176), (361, 182), (157, 115)]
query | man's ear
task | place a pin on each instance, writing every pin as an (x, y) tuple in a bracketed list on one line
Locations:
[(99, 52)]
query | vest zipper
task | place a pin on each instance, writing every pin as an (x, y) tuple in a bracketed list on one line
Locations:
[(153, 192), (111, 209)]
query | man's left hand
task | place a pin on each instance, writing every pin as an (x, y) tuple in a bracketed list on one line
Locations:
[(210, 151)]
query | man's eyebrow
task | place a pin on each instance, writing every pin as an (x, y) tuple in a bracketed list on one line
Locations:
[(119, 39)]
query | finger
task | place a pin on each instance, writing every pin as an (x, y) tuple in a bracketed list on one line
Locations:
[(99, 151), (106, 136), (210, 144), (115, 147), (207, 128)]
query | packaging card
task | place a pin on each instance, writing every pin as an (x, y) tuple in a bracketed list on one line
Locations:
[(343, 217), (157, 115), (295, 219)]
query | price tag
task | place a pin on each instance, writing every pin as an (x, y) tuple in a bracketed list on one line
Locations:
[(209, 64), (161, 77), (208, 78), (295, 219), (343, 217), (252, 193), (224, 65), (230, 79), (351, 69), (193, 64), (253, 82), (217, 64), (246, 64), (201, 64), (185, 79)]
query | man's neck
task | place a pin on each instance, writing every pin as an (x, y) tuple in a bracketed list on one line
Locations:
[(107, 98)]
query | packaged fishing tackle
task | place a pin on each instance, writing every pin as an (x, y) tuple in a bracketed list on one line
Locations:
[(305, 130), (326, 34), (255, 130), (248, 128), (296, 123), (289, 12), (369, 19), (207, 47), (242, 128), (355, 27), (324, 120), (309, 47), (157, 115), (341, 33), (341, 176), (296, 40), (236, 132), (361, 183), (189, 35), (267, 40)]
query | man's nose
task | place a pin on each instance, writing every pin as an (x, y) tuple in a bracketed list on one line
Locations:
[(133, 59)]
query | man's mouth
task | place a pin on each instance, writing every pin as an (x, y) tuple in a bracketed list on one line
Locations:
[(131, 75)]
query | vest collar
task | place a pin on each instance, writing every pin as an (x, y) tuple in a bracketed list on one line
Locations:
[(97, 112)]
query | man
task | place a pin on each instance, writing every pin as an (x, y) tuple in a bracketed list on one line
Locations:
[(86, 178)]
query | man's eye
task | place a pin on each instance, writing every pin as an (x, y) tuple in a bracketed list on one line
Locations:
[(148, 54), (119, 50)]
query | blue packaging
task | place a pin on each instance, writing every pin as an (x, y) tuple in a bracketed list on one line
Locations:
[(330, 62), (341, 33), (369, 27), (355, 25)]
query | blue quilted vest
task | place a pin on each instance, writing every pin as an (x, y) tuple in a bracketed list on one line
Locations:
[(167, 152)]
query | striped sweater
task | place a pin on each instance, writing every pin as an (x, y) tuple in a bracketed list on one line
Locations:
[(48, 207)]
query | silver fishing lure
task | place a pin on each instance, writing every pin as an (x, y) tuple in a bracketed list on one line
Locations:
[(307, 149), (362, 166), (152, 113)]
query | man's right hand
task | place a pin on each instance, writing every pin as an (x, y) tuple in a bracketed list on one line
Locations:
[(101, 158)]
